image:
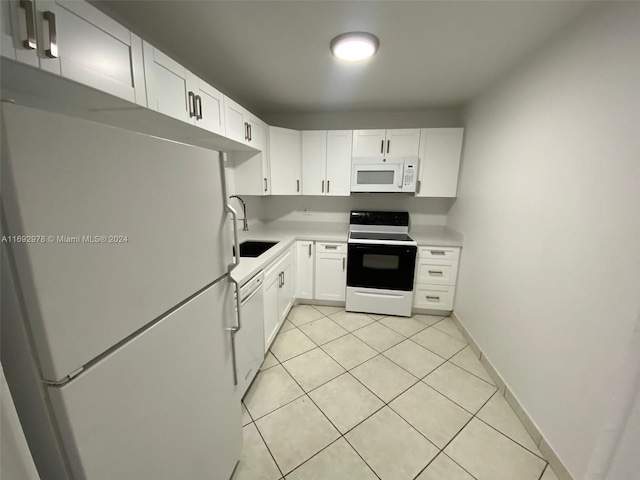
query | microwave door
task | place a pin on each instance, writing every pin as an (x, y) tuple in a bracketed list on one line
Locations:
[(377, 178)]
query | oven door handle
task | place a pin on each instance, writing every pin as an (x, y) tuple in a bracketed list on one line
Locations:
[(378, 295)]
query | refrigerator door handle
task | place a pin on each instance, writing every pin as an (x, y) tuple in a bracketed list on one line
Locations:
[(235, 329), (232, 211)]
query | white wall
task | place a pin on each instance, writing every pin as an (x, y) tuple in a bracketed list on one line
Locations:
[(423, 211), (549, 204)]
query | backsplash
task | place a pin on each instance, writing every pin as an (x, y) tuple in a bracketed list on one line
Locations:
[(423, 211)]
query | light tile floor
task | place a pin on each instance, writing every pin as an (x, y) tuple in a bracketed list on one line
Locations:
[(349, 396)]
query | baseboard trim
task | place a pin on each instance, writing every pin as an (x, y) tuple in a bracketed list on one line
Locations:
[(534, 432)]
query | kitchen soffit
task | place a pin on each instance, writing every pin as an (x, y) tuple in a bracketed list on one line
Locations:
[(274, 57)]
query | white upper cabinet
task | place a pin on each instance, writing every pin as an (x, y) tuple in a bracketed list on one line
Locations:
[(175, 91), (242, 126), (314, 162), (77, 41), (440, 150), (251, 169), (326, 162), (207, 105), (236, 127), (167, 86), (18, 39), (285, 161), (368, 143), (403, 142), (339, 162), (386, 143)]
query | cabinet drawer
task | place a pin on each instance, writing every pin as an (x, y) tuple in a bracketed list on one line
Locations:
[(439, 272), (440, 253), (434, 296), (331, 247)]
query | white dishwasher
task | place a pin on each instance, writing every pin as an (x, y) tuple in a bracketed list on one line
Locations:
[(249, 340)]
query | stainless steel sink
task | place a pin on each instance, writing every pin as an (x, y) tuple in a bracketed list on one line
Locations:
[(253, 249)]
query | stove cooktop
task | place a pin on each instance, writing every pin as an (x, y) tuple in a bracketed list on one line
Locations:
[(397, 237)]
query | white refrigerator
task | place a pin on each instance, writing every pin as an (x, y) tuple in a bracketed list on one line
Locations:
[(117, 307)]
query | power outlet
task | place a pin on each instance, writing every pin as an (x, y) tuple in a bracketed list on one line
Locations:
[(306, 211)]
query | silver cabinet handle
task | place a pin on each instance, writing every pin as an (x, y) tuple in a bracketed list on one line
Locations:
[(30, 42), (328, 186), (250, 132), (192, 105), (198, 102), (52, 51), (246, 131), (435, 272), (309, 248), (388, 145), (322, 186), (437, 252), (297, 185), (331, 247), (433, 298), (265, 184), (283, 279), (235, 329), (344, 263), (382, 146)]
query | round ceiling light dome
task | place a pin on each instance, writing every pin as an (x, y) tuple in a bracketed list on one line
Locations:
[(355, 46)]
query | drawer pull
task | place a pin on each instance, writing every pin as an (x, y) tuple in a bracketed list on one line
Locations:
[(436, 272), (437, 299), (331, 247), (437, 252)]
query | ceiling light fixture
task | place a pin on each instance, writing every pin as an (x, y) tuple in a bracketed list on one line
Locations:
[(355, 46)]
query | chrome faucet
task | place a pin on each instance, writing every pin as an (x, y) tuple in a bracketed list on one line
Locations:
[(245, 225)]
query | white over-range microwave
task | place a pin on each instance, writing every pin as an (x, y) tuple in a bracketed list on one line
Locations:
[(372, 174)]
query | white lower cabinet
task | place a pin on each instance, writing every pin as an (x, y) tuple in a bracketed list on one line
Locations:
[(305, 263), (271, 317), (279, 294), (435, 279), (331, 271)]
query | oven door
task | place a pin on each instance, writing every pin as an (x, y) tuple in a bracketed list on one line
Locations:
[(382, 177), (389, 267)]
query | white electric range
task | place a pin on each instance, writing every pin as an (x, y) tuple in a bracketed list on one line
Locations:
[(381, 262)]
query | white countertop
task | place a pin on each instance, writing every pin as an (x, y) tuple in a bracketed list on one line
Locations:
[(286, 234)]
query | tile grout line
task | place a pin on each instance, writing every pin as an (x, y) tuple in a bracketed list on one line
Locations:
[(387, 404)]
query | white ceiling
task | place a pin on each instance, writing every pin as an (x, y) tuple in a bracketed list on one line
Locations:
[(273, 56)]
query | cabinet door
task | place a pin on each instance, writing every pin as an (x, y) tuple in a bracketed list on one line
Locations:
[(266, 169), (92, 49), (284, 159), (234, 118), (368, 143), (339, 162), (331, 276), (314, 162), (403, 142), (166, 85), (18, 40), (271, 318), (440, 150), (254, 125), (209, 106), (304, 270), (287, 291)]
